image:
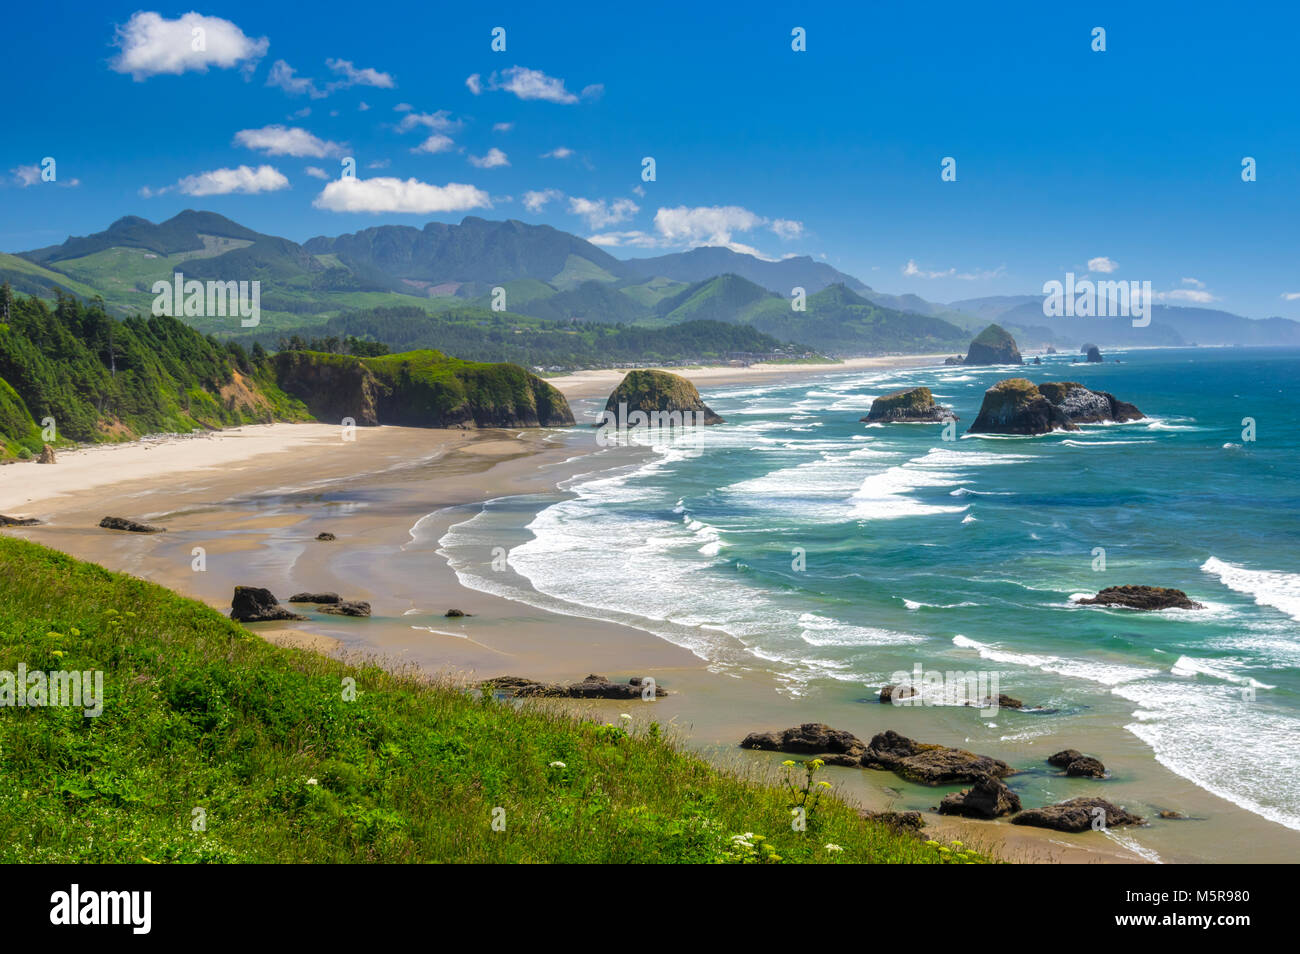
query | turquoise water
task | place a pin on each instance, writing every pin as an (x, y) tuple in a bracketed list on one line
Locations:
[(965, 554)]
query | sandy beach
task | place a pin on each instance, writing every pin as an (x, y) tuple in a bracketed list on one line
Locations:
[(251, 501)]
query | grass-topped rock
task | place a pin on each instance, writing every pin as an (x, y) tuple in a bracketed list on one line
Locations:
[(993, 345), (912, 406), (1018, 406), (655, 394)]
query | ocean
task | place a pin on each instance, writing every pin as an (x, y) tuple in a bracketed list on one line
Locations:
[(829, 555)]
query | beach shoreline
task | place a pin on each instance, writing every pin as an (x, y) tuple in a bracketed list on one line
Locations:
[(254, 498)]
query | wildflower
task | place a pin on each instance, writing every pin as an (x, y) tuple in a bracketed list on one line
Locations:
[(958, 844), (57, 652), (625, 717), (74, 631), (788, 762), (831, 846), (312, 781), (932, 843), (816, 763), (558, 765), (824, 784)]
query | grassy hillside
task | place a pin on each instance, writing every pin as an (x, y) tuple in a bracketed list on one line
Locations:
[(104, 379), (199, 713)]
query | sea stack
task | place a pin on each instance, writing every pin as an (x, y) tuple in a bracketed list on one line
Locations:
[(1018, 406), (913, 406), (656, 395), (993, 345), (1094, 354)]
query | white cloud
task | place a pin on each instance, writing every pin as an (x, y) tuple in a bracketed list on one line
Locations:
[(1194, 282), (242, 179), (559, 152), (1194, 295), (475, 83), (704, 225), (396, 195), (494, 158), (352, 76), (787, 228), (1102, 264), (435, 143), (27, 175), (316, 172), (502, 127), (594, 91), (601, 214), (531, 84), (536, 200), (379, 164), (912, 270), (364, 107), (1291, 296), (403, 108), (151, 45), (287, 141), (283, 76), (439, 121)]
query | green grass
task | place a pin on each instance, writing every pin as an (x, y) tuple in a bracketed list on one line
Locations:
[(201, 713)]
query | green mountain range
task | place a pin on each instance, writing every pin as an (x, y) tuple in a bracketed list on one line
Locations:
[(538, 279)]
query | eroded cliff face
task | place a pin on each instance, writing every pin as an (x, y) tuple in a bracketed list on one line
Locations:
[(333, 387), (420, 389)]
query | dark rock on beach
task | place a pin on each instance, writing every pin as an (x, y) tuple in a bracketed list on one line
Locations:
[(593, 687), (1064, 757), (927, 763), (325, 536), (1141, 598), (8, 521), (833, 746), (891, 692), (1076, 815), (254, 604), (958, 359), (47, 455), (896, 821), (347, 608), (1003, 702), (315, 598), (912, 406), (1170, 815), (456, 614), (1086, 767), (987, 798), (122, 523), (993, 345)]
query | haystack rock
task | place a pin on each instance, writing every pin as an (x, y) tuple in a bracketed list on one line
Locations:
[(658, 399), (913, 406), (1094, 354), (1018, 406), (993, 345)]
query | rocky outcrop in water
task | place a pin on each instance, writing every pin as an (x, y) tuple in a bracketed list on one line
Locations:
[(347, 608), (1077, 765), (989, 797), (255, 604), (916, 761), (993, 345), (1093, 354), (315, 598), (656, 395), (1018, 406), (131, 526), (913, 406), (1141, 598), (1076, 815), (593, 687)]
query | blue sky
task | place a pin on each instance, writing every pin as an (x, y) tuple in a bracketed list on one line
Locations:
[(1125, 162)]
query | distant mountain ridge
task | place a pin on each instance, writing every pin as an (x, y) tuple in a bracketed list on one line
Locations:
[(552, 275)]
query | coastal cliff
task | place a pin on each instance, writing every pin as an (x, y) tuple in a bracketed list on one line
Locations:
[(420, 389)]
